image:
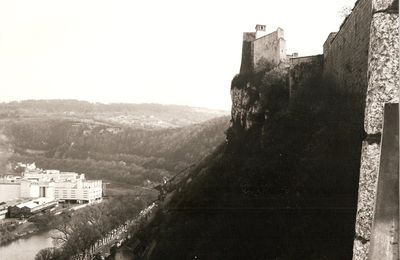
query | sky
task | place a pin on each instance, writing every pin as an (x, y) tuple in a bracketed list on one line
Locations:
[(135, 51)]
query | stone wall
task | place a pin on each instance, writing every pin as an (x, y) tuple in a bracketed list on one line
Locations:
[(269, 48), (346, 52), (383, 87), (302, 70), (247, 52), (362, 60)]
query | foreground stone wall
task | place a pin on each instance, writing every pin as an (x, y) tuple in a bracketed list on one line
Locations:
[(383, 87)]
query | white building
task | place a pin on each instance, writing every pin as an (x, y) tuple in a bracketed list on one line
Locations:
[(80, 191), (29, 189), (63, 186), (18, 189), (51, 175), (9, 191)]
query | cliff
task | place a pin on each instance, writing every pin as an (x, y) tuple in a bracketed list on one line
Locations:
[(284, 185)]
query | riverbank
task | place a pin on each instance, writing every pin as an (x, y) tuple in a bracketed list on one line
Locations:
[(19, 229), (26, 247), (14, 229)]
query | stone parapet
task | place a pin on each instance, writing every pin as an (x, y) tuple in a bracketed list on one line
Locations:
[(383, 87), (383, 69)]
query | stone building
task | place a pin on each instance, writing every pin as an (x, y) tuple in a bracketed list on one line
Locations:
[(260, 48), (29, 208)]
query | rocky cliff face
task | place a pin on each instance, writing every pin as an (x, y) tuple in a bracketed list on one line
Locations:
[(282, 186), (250, 94)]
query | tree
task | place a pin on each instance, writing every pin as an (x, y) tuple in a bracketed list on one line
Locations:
[(49, 253), (80, 232)]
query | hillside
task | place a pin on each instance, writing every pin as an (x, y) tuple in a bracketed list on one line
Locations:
[(106, 150), (143, 116), (284, 186)]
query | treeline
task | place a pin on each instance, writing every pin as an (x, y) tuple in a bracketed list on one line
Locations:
[(79, 231), (172, 115), (7, 233), (71, 105), (106, 170), (122, 154)]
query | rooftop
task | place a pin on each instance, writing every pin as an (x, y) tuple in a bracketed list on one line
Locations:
[(34, 203)]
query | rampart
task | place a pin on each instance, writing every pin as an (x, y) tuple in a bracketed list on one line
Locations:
[(346, 52), (362, 58), (383, 87), (302, 69)]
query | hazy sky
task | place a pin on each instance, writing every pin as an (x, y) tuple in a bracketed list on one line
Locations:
[(154, 51)]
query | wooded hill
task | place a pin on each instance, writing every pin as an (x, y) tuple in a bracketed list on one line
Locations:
[(109, 150)]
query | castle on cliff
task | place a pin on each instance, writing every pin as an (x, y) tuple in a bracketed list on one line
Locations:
[(362, 60), (260, 48)]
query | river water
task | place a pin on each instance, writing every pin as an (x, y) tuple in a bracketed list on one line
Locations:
[(26, 248)]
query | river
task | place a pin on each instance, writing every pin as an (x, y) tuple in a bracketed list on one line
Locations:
[(26, 248)]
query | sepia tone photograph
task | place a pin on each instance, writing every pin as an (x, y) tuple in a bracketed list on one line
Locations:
[(199, 130)]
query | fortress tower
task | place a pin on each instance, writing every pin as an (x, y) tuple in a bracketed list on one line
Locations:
[(260, 48), (260, 30)]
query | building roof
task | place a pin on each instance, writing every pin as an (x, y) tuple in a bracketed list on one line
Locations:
[(34, 203), (11, 203)]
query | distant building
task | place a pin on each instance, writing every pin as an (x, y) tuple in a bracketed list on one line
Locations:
[(10, 178), (52, 184), (38, 175), (9, 191), (3, 210), (65, 186), (29, 208), (24, 189), (260, 48), (79, 191)]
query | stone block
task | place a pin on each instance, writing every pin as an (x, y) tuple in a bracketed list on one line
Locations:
[(383, 71), (382, 5), (370, 155), (360, 250)]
